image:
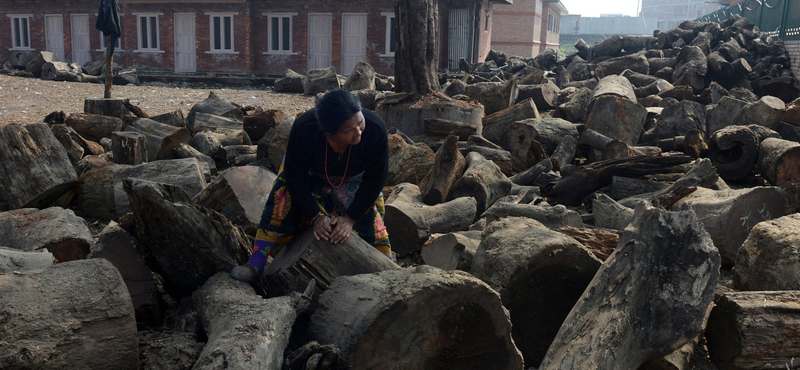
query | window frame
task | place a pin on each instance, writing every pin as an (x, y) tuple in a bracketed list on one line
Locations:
[(25, 37), (117, 48), (388, 34), (212, 49), (149, 26), (281, 16)]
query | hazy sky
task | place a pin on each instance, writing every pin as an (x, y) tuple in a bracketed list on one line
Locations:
[(593, 8)]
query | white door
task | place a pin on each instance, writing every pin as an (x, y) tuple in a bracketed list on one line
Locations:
[(354, 41), (185, 43), (54, 35), (320, 28), (79, 23)]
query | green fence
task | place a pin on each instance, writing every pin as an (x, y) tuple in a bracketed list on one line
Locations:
[(776, 18)]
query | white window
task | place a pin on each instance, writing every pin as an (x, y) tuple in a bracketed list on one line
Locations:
[(20, 31), (391, 34), (147, 27), (221, 27), (279, 32), (117, 46)]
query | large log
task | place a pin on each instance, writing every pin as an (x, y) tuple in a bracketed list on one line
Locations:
[(550, 216), (94, 126), (84, 320), (609, 214), (211, 121), (495, 124), (443, 127), (729, 215), (408, 163), (111, 107), (649, 298), (502, 158), (636, 62), (755, 330), (34, 166), (451, 251), (495, 96), (244, 330), (410, 222), (194, 245), (448, 166), (36, 64), (779, 161), (517, 137), (100, 193), (573, 187), (60, 71), (544, 95), (239, 193), (54, 229), (257, 125), (691, 68), (408, 114), (161, 138), (617, 117), (734, 151), (677, 119), (12, 260), (321, 80), (539, 274), (701, 174), (601, 242), (415, 319), (305, 259), (214, 105), (768, 258), (483, 181), (129, 147)]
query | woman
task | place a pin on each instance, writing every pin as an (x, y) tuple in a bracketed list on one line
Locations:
[(335, 166)]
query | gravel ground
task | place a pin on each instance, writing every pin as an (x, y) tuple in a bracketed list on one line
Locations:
[(28, 100)]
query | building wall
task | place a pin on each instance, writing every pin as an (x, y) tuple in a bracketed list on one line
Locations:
[(516, 28), (550, 31)]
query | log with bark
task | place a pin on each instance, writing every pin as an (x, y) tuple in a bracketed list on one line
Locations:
[(494, 125), (768, 258), (446, 319), (755, 330), (239, 193), (502, 158), (734, 151), (452, 251), (576, 185), (481, 180), (649, 298), (196, 243), (175, 118), (54, 229), (495, 96), (112, 107), (448, 166), (60, 71), (58, 326), (256, 125), (544, 95), (691, 68), (617, 117), (36, 64), (530, 175), (517, 137), (539, 274), (410, 222), (94, 126), (779, 161), (701, 174), (34, 166), (306, 259), (408, 163), (636, 62), (244, 330), (443, 127), (161, 138), (12, 260), (550, 216), (129, 147), (216, 106), (415, 54)]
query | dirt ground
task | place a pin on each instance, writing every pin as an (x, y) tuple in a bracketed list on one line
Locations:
[(28, 100)]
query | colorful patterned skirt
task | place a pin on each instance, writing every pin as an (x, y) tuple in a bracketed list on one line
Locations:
[(280, 221)]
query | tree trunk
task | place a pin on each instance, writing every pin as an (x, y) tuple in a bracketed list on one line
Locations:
[(305, 258), (94, 126), (755, 330), (194, 245), (446, 319), (244, 330), (410, 222), (649, 298), (12, 260), (58, 326), (416, 58), (448, 166), (34, 167), (129, 147), (539, 274), (482, 180), (767, 260)]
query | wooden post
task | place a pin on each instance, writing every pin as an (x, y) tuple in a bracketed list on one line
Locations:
[(109, 72)]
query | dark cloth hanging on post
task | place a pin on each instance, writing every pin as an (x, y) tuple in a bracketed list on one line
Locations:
[(108, 22)]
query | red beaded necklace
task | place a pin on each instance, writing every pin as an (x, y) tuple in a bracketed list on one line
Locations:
[(346, 165)]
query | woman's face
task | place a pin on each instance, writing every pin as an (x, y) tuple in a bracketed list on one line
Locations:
[(350, 131)]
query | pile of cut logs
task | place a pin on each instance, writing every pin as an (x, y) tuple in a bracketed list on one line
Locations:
[(632, 206), (47, 67)]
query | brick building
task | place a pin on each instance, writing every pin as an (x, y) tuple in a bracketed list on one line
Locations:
[(527, 27), (239, 36)]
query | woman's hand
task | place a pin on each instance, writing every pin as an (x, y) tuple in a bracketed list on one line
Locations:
[(322, 227), (343, 225)]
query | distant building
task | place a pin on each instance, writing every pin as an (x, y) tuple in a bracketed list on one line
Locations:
[(527, 27), (668, 14)]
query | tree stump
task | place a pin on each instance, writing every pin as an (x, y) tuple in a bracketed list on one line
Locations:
[(57, 326), (129, 147), (34, 166), (539, 274), (446, 319), (410, 222), (244, 330), (239, 193), (12, 260), (306, 259), (482, 180), (649, 301), (448, 166), (768, 258), (193, 246), (755, 330), (409, 115), (112, 107)]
